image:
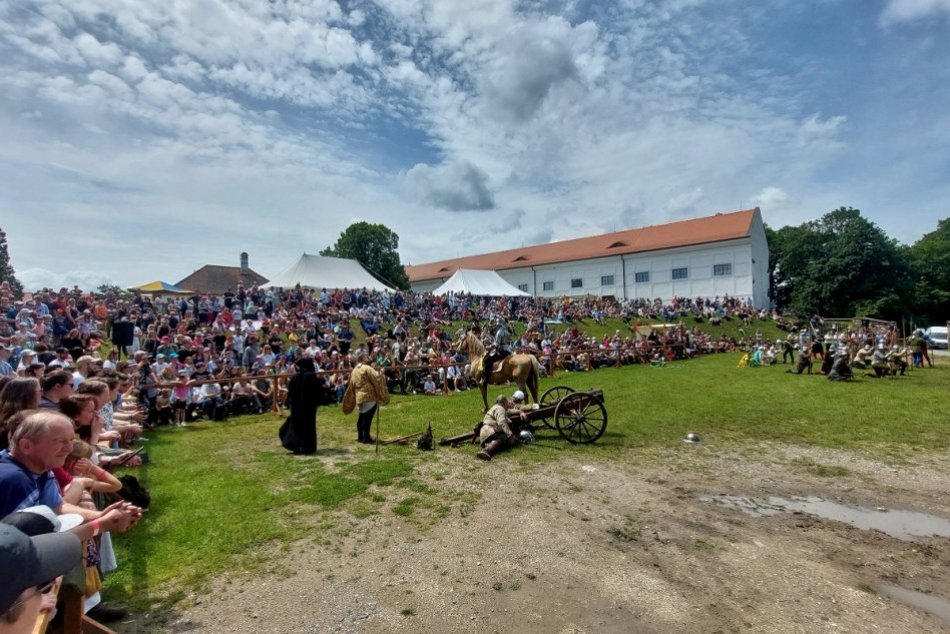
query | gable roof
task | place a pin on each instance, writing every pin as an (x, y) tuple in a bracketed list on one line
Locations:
[(723, 226), (216, 279)]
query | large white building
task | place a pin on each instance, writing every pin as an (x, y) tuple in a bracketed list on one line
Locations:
[(724, 254)]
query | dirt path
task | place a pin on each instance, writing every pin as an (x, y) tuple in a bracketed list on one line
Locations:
[(610, 547)]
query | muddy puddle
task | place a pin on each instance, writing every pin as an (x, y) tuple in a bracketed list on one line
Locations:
[(904, 525), (938, 606)]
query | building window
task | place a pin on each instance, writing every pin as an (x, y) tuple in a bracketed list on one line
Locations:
[(548, 286), (722, 269), (681, 274), (523, 287), (577, 283), (606, 280), (642, 277)]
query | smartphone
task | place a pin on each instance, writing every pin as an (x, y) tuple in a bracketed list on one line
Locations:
[(128, 457)]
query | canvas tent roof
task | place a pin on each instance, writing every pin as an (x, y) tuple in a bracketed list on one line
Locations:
[(159, 287), (318, 271), (476, 282)]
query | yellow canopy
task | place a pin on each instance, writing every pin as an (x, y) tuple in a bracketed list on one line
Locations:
[(161, 288)]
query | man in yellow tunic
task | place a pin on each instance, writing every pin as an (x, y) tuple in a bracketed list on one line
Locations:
[(366, 390)]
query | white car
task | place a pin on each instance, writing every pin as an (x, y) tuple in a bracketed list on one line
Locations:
[(937, 337)]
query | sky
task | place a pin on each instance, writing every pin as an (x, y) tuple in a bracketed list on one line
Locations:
[(140, 140)]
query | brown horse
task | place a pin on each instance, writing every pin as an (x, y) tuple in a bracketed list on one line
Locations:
[(523, 369)]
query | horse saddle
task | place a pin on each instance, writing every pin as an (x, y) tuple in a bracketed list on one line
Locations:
[(497, 364)]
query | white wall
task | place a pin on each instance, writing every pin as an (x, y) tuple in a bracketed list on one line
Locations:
[(748, 279)]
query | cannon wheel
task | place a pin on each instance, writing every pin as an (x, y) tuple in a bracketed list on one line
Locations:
[(550, 399), (581, 417)]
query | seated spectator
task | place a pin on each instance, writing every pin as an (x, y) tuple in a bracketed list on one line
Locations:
[(56, 386), (163, 406), (210, 401), (429, 386), (17, 395), (40, 442), (31, 566), (26, 359), (262, 391), (5, 368)]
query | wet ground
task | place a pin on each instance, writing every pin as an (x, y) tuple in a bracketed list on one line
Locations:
[(685, 539), (901, 524)]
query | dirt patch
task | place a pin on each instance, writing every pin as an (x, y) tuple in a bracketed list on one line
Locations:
[(607, 547)]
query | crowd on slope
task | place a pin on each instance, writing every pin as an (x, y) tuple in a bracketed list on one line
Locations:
[(177, 346)]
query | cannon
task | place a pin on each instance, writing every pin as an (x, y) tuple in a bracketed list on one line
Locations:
[(579, 417)]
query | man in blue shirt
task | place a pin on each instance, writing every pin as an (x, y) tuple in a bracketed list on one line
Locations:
[(42, 441), (5, 368)]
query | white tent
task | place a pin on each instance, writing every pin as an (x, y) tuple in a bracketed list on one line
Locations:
[(476, 282), (317, 271)]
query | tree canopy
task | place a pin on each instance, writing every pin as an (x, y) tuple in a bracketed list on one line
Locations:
[(841, 265), (930, 261), (7, 274), (375, 247)]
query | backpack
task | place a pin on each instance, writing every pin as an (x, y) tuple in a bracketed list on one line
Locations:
[(132, 491)]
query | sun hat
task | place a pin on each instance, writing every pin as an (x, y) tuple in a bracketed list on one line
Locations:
[(38, 520), (31, 561)]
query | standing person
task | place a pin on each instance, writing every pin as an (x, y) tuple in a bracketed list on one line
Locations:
[(924, 350), (303, 394), (367, 391)]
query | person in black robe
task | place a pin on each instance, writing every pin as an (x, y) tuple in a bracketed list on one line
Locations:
[(303, 393)]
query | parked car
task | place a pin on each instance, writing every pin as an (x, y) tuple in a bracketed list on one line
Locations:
[(937, 336)]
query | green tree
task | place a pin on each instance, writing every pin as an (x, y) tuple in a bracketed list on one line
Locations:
[(930, 263), (7, 274), (375, 247), (841, 265)]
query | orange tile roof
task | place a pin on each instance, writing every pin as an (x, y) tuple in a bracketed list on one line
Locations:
[(724, 226)]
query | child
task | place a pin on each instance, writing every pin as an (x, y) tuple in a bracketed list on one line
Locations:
[(163, 405), (181, 397)]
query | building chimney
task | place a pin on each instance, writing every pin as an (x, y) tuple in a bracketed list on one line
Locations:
[(245, 269)]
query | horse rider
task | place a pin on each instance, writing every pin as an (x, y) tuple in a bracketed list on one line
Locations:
[(501, 348)]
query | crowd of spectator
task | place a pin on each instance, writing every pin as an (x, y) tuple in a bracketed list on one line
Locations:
[(82, 374), (210, 356)]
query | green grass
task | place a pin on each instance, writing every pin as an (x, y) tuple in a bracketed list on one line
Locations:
[(226, 497)]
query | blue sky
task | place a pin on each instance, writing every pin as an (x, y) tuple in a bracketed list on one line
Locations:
[(142, 140)]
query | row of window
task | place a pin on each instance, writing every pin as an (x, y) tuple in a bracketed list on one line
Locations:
[(641, 277)]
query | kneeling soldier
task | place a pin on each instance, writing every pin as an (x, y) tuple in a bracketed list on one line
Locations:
[(493, 432)]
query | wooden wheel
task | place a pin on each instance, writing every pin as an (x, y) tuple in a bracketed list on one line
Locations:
[(550, 399), (581, 417)]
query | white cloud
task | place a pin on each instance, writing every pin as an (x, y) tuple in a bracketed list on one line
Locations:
[(897, 11), (769, 198), (35, 279), (189, 131), (95, 52)]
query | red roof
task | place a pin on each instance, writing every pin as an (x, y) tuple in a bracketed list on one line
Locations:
[(724, 226)]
